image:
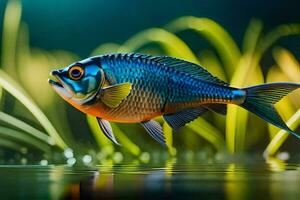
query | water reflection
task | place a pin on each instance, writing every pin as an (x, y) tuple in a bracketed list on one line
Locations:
[(171, 180)]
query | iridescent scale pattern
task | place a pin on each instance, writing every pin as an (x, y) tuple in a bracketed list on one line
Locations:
[(157, 88)]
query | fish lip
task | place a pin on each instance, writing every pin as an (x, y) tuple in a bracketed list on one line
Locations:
[(57, 82), (59, 87)]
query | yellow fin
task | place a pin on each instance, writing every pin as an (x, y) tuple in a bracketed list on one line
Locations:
[(113, 95)]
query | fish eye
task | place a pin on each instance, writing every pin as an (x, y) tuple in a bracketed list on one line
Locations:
[(76, 73)]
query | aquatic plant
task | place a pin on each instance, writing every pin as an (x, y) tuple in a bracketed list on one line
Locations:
[(8, 59), (44, 129)]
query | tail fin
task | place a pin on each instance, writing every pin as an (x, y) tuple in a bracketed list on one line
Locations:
[(260, 100)]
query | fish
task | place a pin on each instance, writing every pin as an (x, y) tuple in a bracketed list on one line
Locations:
[(136, 88)]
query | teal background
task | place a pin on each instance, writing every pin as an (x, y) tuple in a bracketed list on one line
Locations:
[(80, 26)]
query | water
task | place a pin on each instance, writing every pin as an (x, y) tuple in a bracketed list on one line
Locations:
[(274, 180)]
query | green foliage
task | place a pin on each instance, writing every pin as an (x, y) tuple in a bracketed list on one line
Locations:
[(14, 89)]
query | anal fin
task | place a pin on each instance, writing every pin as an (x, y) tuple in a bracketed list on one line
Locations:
[(179, 119)]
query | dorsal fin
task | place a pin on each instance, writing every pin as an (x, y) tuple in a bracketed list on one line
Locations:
[(180, 65), (189, 68)]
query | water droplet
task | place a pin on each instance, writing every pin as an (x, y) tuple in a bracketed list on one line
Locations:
[(44, 162), (283, 156), (145, 157), (71, 161), (87, 159), (189, 155), (108, 149), (117, 157), (68, 153), (23, 161), (24, 150)]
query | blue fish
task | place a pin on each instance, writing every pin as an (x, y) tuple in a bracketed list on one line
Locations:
[(135, 88)]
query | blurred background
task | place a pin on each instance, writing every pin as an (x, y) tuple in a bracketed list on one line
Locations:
[(241, 42)]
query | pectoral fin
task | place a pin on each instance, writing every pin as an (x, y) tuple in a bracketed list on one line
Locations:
[(155, 130), (113, 95), (107, 130)]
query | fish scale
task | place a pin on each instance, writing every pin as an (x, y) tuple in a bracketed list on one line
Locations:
[(144, 100), (157, 88)]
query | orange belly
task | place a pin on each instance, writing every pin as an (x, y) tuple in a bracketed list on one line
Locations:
[(126, 112)]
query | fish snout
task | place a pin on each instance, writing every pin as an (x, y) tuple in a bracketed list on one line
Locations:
[(56, 72), (56, 75)]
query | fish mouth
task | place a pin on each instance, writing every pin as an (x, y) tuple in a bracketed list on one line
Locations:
[(56, 82), (58, 85)]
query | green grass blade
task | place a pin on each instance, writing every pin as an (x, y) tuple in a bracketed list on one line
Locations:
[(169, 138), (101, 140), (104, 142), (215, 34), (26, 127), (247, 72), (269, 39), (282, 135), (208, 132), (266, 43), (14, 89), (287, 63), (212, 63), (290, 67), (37, 61), (237, 117), (12, 17), (277, 33), (24, 138), (252, 33), (125, 141), (6, 143), (173, 45), (106, 48), (236, 121)]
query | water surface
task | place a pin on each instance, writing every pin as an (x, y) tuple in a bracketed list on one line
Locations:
[(275, 180)]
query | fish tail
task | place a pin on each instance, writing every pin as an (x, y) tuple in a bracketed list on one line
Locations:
[(260, 100)]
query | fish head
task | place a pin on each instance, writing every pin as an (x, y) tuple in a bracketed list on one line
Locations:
[(79, 82)]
